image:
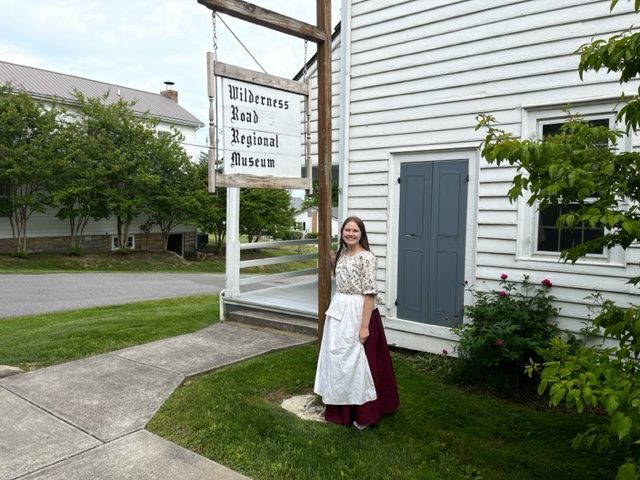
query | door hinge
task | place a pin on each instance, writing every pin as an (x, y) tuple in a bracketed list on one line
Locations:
[(396, 302), (467, 178), (398, 179)]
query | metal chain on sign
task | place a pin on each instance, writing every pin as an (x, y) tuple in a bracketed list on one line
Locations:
[(215, 32), (304, 68)]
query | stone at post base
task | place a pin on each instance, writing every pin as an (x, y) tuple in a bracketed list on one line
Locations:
[(305, 407)]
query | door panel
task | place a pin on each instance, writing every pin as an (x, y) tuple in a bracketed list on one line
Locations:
[(415, 215), (433, 202)]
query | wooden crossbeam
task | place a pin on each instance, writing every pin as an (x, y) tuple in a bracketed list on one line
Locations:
[(251, 76), (267, 18), (255, 181)]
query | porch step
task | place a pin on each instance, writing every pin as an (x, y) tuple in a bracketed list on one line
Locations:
[(276, 322)]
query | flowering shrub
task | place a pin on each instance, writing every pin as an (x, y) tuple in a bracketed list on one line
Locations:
[(508, 326)]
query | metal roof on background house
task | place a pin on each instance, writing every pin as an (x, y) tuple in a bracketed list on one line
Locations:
[(45, 84)]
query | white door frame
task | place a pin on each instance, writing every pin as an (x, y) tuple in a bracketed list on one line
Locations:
[(396, 159)]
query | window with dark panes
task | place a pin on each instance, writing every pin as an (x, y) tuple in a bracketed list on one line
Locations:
[(552, 239)]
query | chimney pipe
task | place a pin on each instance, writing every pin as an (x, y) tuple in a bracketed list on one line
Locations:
[(169, 93)]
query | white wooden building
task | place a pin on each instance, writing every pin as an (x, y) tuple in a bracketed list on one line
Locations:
[(46, 232), (409, 78)]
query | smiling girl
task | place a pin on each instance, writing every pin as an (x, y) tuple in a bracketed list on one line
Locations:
[(355, 375)]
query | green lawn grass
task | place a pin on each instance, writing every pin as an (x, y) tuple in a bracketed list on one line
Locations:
[(43, 340), (439, 432)]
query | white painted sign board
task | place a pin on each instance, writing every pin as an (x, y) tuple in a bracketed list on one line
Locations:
[(261, 130)]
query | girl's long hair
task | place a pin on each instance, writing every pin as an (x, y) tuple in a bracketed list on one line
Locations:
[(364, 240)]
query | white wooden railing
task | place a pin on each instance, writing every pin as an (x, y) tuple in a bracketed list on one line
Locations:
[(276, 260), (235, 265)]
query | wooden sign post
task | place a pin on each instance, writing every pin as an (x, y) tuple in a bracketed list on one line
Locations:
[(321, 35)]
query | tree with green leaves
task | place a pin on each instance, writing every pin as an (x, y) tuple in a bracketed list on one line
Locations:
[(171, 201), (74, 187), (29, 142), (211, 213), (581, 166), (122, 145), (265, 212), (311, 199)]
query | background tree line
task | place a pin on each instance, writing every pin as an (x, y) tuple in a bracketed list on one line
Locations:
[(100, 160)]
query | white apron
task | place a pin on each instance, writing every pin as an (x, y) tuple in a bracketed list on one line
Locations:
[(343, 376)]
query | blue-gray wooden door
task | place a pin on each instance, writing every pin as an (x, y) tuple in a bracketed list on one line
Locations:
[(433, 207)]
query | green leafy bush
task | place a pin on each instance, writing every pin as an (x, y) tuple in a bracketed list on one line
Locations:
[(291, 235), (508, 326), (604, 375), (74, 251)]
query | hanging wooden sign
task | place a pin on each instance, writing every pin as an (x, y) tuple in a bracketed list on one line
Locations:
[(261, 130), (262, 142)]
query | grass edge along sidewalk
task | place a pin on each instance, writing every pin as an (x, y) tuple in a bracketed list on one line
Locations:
[(43, 340)]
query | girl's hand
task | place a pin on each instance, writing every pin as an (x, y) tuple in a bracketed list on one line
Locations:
[(363, 334)]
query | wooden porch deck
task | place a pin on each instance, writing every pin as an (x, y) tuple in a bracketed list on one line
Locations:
[(295, 297)]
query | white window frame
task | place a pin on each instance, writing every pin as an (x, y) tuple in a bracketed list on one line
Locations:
[(533, 120), (131, 242)]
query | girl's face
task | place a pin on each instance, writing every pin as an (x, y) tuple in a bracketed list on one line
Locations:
[(351, 234)]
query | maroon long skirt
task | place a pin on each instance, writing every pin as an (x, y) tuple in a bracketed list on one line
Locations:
[(377, 352)]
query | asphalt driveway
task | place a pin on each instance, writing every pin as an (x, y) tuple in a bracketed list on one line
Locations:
[(22, 295)]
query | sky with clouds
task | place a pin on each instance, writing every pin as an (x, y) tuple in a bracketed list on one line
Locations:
[(143, 43)]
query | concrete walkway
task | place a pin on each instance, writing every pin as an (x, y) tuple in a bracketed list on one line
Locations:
[(86, 419)]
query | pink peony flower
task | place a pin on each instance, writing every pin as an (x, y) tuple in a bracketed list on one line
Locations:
[(504, 276), (547, 283), (499, 343), (445, 352), (502, 293)]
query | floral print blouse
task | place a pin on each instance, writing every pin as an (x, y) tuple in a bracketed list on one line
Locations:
[(356, 274)]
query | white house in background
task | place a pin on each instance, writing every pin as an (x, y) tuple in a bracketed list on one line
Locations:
[(47, 233), (307, 221), (409, 79)]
